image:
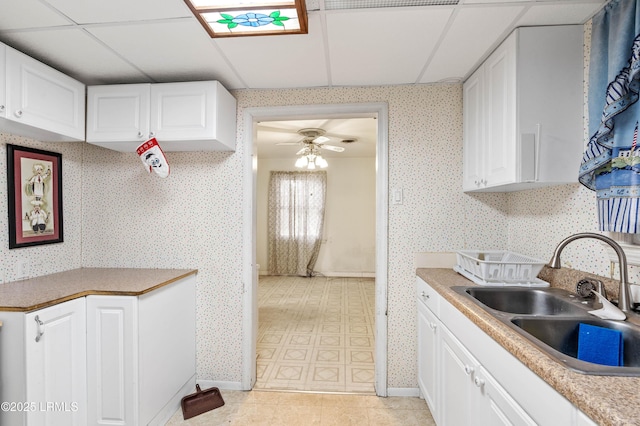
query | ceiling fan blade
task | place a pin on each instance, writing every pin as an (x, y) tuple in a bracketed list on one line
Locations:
[(332, 148), (288, 143), (302, 151), (321, 139)]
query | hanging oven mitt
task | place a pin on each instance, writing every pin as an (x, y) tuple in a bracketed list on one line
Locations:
[(153, 158)]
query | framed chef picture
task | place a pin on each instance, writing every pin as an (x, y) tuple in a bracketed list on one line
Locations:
[(34, 186)]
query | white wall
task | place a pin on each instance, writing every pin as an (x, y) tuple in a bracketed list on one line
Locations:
[(348, 247)]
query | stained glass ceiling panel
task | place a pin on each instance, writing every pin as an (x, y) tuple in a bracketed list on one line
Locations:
[(256, 21), (226, 18)]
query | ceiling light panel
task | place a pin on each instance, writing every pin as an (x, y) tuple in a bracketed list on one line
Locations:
[(225, 18)]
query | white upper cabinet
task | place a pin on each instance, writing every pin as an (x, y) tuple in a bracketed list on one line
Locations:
[(191, 116), (523, 112), (38, 101), (3, 88), (119, 112)]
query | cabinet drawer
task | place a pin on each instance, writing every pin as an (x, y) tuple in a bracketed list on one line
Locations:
[(428, 296)]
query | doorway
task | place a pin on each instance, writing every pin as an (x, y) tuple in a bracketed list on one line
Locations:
[(377, 111), (316, 333)]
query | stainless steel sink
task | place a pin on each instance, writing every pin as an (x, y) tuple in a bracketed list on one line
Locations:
[(526, 301), (549, 318), (559, 337)]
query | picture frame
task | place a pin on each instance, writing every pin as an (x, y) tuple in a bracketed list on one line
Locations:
[(34, 187)]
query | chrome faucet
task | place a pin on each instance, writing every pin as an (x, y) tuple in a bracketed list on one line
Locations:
[(624, 293)]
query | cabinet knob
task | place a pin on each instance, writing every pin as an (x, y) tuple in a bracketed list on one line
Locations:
[(1, 108), (425, 295), (18, 113), (468, 370), (478, 382), (140, 135), (152, 135), (433, 326), (39, 332)]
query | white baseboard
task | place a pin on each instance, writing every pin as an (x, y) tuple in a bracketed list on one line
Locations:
[(174, 404), (348, 274), (410, 392), (336, 274), (205, 384)]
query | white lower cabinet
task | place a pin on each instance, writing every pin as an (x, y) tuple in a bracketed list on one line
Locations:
[(467, 378), (140, 354), (99, 360), (112, 367), (457, 396), (428, 336), (55, 365), (470, 395)]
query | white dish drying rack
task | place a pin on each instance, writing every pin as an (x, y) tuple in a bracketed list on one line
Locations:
[(499, 268)]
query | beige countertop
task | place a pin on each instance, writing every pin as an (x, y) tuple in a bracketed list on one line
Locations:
[(608, 400), (48, 290)]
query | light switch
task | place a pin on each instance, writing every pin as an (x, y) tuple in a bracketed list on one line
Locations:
[(22, 269), (396, 196)]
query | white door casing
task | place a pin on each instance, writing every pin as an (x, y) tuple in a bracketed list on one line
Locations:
[(250, 306)]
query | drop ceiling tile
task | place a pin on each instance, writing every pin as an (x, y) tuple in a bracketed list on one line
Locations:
[(92, 11), (559, 14), (75, 53), (382, 46), (176, 50), (474, 32), (17, 14), (279, 61)]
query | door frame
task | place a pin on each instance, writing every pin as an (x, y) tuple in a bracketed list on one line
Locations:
[(251, 116)]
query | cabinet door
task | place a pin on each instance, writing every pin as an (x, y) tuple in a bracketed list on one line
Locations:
[(428, 335), (473, 150), (3, 77), (56, 364), (44, 98), (193, 116), (500, 115), (118, 113), (182, 111), (112, 368), (495, 406), (457, 394)]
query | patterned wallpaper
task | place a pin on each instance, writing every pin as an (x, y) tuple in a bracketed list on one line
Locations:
[(48, 258), (193, 218), (117, 215)]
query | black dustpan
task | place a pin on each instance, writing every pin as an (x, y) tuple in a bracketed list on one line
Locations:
[(201, 402)]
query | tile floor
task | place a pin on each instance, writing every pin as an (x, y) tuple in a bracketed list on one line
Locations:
[(275, 408), (316, 334), (315, 361)]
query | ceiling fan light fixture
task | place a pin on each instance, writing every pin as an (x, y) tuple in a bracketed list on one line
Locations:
[(321, 162), (302, 161), (225, 18)]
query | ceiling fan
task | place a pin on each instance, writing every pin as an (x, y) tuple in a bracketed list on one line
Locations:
[(313, 140)]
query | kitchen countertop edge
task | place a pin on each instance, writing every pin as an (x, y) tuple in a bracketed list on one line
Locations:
[(608, 400), (48, 290)]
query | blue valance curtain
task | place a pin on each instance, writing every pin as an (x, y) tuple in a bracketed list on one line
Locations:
[(611, 162)]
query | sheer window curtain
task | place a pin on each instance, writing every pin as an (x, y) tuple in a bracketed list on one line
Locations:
[(296, 219)]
